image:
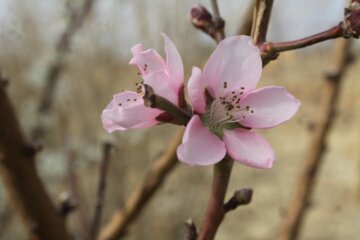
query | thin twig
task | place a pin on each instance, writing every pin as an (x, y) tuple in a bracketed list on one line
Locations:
[(297, 207), (21, 181), (271, 50), (261, 18), (56, 67), (218, 21), (138, 199), (348, 28), (82, 217), (101, 189)]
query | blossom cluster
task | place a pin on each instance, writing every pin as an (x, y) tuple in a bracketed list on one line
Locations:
[(225, 104)]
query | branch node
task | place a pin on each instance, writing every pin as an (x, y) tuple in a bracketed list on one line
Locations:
[(240, 197)]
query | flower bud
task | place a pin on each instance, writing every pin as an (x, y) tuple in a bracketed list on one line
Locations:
[(351, 24), (200, 17)]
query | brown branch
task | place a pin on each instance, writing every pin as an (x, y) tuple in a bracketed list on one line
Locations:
[(261, 18), (349, 27), (101, 189), (82, 217), (297, 207), (21, 181), (216, 211), (138, 199), (270, 51), (56, 67), (219, 23)]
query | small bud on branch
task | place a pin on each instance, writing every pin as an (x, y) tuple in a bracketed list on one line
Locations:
[(191, 232), (202, 19), (240, 197)]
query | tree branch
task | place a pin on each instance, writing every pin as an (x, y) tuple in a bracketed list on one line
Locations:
[(216, 211), (53, 73), (296, 209), (349, 27), (101, 189), (138, 199), (261, 20), (21, 181)]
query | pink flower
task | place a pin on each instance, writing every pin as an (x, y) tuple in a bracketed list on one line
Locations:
[(127, 110), (224, 101), (226, 107)]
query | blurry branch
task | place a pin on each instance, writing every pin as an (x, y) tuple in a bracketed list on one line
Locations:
[(240, 197), (261, 18), (77, 18), (81, 210), (21, 181), (330, 91), (138, 199), (349, 27), (101, 189), (191, 232)]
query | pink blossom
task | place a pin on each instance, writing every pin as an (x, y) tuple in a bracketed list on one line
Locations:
[(226, 107), (127, 110), (224, 101)]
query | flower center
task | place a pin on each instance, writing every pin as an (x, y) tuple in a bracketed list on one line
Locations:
[(225, 113)]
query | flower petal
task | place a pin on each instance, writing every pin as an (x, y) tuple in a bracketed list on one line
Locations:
[(147, 61), (234, 64), (196, 91), (161, 83), (127, 111), (174, 62), (249, 148), (271, 106), (199, 146)]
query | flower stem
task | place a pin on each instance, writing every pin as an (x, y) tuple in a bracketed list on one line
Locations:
[(216, 211), (156, 101)]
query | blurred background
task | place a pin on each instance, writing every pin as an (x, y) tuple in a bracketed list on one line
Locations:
[(97, 67)]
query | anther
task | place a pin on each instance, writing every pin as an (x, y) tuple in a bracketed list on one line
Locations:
[(225, 84), (242, 88)]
